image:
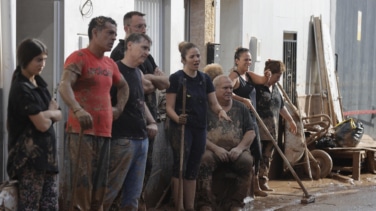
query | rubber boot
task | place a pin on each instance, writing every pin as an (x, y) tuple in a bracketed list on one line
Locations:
[(175, 193), (257, 190), (189, 193)]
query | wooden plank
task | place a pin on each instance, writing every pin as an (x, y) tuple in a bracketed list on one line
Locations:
[(321, 67), (334, 95), (328, 78)]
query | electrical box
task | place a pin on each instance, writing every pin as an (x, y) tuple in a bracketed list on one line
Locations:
[(213, 50)]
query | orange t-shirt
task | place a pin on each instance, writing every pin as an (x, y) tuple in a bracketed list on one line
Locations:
[(92, 90)]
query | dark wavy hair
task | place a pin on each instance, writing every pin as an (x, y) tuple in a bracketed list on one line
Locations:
[(275, 66), (26, 51), (99, 23), (136, 38), (239, 52)]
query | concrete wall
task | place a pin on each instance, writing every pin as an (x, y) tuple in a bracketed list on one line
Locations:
[(202, 26)]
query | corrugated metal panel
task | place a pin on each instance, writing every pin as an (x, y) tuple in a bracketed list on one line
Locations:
[(154, 20), (357, 59)]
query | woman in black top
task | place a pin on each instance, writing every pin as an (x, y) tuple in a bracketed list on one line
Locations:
[(32, 142), (244, 82)]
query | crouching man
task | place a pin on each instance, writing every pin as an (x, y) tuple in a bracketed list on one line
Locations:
[(227, 145)]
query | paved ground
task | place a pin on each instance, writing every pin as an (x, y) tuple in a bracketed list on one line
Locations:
[(329, 194)]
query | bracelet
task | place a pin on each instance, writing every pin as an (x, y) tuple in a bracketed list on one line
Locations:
[(152, 123), (78, 109)]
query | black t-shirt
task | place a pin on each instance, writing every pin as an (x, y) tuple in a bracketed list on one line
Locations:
[(198, 89), (148, 67), (131, 123)]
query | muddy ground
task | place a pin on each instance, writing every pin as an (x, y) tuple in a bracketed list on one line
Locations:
[(289, 196)]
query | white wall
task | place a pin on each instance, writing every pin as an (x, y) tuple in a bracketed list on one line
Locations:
[(174, 32), (77, 25), (267, 20)]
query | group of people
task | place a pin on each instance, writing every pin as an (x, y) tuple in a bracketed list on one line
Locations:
[(113, 120)]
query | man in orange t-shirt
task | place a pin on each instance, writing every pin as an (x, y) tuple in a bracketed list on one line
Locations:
[(85, 87)]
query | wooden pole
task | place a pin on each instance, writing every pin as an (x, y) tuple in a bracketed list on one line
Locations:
[(180, 188), (75, 176)]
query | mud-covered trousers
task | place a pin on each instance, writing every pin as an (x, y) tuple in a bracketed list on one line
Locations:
[(242, 167), (127, 170), (267, 157), (90, 181), (37, 190)]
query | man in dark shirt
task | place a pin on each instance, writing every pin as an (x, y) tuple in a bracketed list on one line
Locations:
[(228, 144), (130, 132), (154, 78)]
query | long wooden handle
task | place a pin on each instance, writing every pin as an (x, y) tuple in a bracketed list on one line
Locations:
[(180, 189), (262, 124)]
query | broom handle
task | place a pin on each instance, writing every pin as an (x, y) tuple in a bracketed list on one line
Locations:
[(180, 189), (279, 151), (75, 176)]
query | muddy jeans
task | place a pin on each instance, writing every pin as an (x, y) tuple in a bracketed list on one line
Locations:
[(242, 168), (267, 157), (126, 176), (90, 181), (37, 190)]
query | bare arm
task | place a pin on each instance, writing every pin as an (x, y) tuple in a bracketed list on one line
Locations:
[(159, 81), (122, 97), (286, 115), (148, 86), (158, 71), (68, 80), (43, 120), (258, 79), (170, 107), (234, 79), (151, 124), (235, 84)]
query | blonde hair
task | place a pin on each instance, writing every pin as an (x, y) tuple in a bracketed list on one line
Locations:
[(213, 70)]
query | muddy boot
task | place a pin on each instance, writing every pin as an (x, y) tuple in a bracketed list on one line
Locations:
[(264, 185), (257, 190), (175, 193), (189, 192)]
